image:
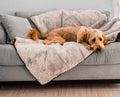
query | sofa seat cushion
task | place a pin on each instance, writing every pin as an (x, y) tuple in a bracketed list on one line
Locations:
[(111, 55), (8, 55)]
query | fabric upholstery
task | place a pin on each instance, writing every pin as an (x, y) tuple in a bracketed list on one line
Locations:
[(24, 14), (100, 72), (15, 73), (8, 56), (15, 26), (111, 55)]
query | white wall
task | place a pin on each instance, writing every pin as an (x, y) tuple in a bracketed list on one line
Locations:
[(116, 8), (10, 6)]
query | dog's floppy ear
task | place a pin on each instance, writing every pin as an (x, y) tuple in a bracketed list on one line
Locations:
[(82, 35), (105, 39)]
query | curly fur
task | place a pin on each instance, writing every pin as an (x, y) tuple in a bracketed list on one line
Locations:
[(90, 38)]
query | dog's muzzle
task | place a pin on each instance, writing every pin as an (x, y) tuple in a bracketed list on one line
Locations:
[(99, 49)]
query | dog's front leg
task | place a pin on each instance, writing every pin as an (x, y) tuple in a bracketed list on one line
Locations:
[(87, 45)]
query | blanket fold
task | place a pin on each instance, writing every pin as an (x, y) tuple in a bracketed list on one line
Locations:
[(46, 62)]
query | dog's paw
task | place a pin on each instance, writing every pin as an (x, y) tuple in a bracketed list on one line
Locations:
[(89, 47), (47, 42)]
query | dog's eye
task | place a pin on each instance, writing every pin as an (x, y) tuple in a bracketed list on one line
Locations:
[(100, 39), (94, 40)]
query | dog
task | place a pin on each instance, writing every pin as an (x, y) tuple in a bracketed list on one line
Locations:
[(90, 38)]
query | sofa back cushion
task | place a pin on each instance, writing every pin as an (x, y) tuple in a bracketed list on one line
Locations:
[(25, 14), (2, 34), (15, 26)]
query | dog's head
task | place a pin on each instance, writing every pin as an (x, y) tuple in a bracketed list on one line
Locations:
[(95, 38)]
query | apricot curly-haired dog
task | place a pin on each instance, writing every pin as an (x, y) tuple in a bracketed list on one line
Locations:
[(90, 38)]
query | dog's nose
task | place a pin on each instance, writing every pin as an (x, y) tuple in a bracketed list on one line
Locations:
[(98, 49)]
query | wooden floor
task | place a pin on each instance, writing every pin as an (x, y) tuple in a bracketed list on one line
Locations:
[(61, 90)]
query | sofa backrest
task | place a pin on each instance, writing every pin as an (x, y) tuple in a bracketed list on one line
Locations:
[(26, 14)]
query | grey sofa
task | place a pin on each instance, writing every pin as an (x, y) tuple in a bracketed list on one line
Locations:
[(98, 66)]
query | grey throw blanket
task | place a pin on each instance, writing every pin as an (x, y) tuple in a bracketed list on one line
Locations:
[(46, 62)]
